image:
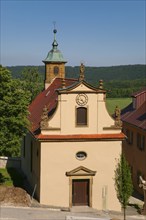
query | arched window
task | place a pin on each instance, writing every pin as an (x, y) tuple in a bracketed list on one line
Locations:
[(81, 116), (56, 70)]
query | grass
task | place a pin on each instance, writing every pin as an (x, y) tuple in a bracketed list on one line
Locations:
[(5, 178), (10, 177), (120, 102)]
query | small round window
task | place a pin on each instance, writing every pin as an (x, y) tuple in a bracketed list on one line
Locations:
[(81, 155)]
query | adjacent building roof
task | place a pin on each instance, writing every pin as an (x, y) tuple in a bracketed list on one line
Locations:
[(134, 115), (142, 91)]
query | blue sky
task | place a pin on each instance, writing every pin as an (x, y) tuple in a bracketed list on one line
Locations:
[(98, 33)]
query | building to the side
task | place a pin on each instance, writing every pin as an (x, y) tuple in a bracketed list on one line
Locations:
[(69, 154), (134, 126)]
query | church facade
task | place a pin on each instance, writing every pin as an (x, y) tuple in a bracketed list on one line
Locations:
[(69, 154)]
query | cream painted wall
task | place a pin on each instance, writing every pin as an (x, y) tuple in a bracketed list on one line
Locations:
[(59, 158), (65, 115)]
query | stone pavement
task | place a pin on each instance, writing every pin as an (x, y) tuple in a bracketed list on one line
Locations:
[(86, 213), (76, 213), (84, 218)]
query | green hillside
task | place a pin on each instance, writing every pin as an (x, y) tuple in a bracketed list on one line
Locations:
[(119, 81), (125, 72)]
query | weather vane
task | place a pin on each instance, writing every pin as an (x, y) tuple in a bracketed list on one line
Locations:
[(54, 23)]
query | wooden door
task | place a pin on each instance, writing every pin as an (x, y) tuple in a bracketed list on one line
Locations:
[(80, 192)]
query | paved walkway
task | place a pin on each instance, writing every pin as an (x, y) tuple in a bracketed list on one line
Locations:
[(131, 212), (76, 213), (81, 213)]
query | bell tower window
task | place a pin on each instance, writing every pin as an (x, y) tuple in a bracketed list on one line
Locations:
[(81, 116), (56, 70)]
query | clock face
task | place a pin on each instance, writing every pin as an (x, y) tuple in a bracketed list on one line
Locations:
[(82, 99)]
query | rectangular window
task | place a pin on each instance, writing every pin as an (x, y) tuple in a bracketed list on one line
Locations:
[(81, 116), (140, 142), (129, 135)]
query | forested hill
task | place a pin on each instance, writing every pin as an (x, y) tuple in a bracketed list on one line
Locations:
[(122, 81), (92, 74)]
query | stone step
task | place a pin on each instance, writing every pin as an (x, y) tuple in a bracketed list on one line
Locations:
[(82, 209)]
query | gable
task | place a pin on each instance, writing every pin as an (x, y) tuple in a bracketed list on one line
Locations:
[(81, 171), (79, 87)]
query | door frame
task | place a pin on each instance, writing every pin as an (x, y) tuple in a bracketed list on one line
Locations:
[(90, 181), (80, 198), (80, 173)]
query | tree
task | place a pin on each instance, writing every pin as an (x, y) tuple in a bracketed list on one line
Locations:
[(13, 114), (123, 182), (31, 81)]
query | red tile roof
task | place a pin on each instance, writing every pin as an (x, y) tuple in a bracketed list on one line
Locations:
[(81, 137), (136, 117), (143, 90), (47, 97)]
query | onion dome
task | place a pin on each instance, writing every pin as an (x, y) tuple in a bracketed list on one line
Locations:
[(54, 55)]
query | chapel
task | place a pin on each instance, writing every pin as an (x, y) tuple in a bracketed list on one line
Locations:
[(70, 152)]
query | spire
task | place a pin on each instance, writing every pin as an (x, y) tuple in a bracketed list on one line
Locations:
[(54, 44), (54, 54)]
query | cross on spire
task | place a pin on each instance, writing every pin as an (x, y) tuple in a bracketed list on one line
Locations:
[(54, 44)]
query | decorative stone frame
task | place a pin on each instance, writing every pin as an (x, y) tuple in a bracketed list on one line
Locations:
[(80, 173)]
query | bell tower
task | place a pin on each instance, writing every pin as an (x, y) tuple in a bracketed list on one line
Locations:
[(54, 63)]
